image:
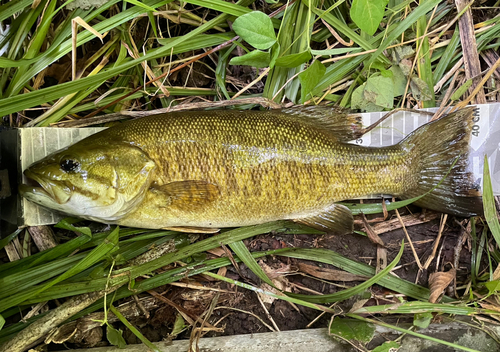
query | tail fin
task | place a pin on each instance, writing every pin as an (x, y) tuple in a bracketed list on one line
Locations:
[(434, 148)]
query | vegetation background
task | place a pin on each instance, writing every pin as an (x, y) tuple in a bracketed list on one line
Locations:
[(66, 66)]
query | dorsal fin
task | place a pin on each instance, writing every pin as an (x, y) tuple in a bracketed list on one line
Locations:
[(333, 120)]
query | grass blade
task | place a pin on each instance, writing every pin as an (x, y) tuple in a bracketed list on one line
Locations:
[(417, 12), (246, 257), (12, 7), (490, 211), (132, 328), (348, 293)]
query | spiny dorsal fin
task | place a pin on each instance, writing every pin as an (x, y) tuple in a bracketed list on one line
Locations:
[(331, 119), (337, 219), (190, 194)]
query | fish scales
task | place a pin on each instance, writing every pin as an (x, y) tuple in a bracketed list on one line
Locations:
[(265, 165)]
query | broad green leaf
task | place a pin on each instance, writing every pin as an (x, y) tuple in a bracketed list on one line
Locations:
[(115, 337), (294, 60), (343, 28), (310, 78), (179, 325), (422, 320), (358, 101), (256, 29), (399, 80), (254, 58), (368, 14), (2, 322), (328, 52), (400, 53), (352, 330), (490, 211), (381, 67), (493, 286), (379, 90), (388, 346), (420, 89), (461, 90)]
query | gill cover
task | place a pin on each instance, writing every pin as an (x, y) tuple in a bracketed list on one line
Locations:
[(94, 181)]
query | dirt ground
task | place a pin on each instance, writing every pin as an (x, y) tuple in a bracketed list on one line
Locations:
[(241, 311), (284, 315)]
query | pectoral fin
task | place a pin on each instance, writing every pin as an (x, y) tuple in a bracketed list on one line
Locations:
[(337, 218), (192, 229), (189, 195)]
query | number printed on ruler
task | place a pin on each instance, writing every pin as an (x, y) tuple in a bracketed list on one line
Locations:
[(480, 128)]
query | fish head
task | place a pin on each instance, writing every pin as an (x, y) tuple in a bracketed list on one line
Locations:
[(101, 182)]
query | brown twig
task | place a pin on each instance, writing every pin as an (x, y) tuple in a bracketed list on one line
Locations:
[(469, 48), (436, 242), (417, 260)]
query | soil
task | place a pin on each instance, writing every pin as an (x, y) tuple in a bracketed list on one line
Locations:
[(285, 315), (239, 311)]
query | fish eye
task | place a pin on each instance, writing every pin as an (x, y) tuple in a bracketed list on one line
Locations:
[(69, 165)]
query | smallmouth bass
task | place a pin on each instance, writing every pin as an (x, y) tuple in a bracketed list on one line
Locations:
[(204, 170)]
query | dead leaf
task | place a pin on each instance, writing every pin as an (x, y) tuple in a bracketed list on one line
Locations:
[(274, 273), (438, 282), (358, 305), (372, 236), (278, 278), (62, 334), (218, 252), (329, 274), (381, 259), (490, 306), (496, 273), (265, 298)]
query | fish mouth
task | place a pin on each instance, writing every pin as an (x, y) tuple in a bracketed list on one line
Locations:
[(37, 186)]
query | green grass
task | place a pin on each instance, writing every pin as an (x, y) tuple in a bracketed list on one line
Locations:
[(34, 91)]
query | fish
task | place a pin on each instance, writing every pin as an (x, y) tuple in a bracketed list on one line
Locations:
[(200, 171)]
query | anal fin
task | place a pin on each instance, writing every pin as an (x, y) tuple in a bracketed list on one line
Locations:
[(337, 219)]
